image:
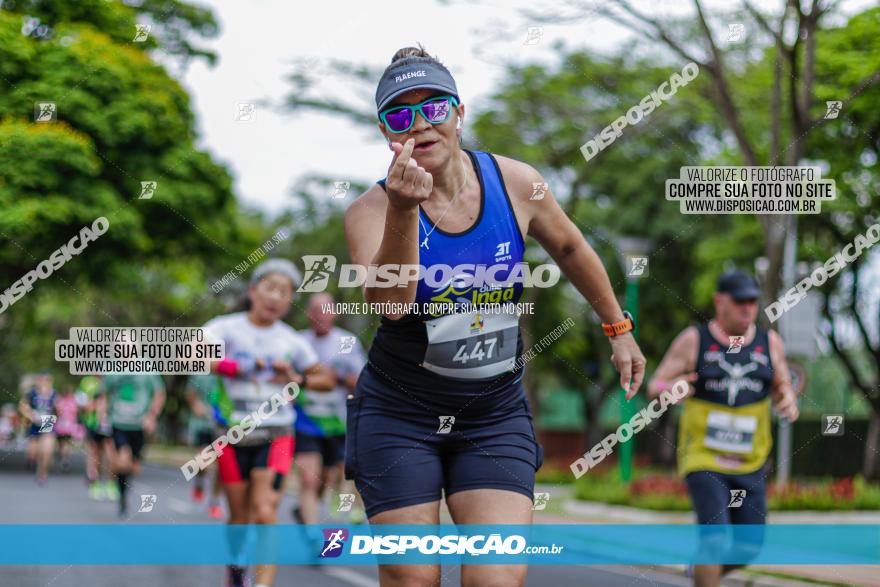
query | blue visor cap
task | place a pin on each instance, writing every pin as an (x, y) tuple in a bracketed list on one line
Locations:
[(413, 76)]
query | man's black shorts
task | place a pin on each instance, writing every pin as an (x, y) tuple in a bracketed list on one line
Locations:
[(133, 439), (331, 448)]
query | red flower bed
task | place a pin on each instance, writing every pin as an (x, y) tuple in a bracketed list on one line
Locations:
[(658, 485), (841, 489)]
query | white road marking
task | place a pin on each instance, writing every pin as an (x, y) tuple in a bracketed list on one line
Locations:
[(351, 577)]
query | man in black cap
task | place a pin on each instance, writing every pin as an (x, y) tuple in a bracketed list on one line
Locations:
[(735, 370)]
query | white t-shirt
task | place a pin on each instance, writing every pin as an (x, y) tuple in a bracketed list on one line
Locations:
[(246, 342), (340, 350)]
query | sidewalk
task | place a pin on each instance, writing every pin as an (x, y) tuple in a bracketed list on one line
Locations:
[(572, 511)]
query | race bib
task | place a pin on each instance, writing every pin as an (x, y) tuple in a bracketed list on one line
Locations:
[(322, 404), (472, 345), (247, 398), (729, 432)]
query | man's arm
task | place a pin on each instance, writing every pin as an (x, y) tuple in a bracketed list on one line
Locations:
[(100, 406), (158, 397), (149, 421), (25, 408), (356, 364), (194, 400), (678, 363), (782, 394), (320, 378)]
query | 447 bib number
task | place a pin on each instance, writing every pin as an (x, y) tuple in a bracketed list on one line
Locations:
[(471, 345), (477, 353)]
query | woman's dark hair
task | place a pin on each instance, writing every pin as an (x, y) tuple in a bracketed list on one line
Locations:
[(412, 55)]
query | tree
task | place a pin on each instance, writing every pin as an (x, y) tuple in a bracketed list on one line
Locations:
[(791, 115), (804, 64), (120, 120)]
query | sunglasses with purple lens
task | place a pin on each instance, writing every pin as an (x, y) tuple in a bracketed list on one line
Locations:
[(435, 110)]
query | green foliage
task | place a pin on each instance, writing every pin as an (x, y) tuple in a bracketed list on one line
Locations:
[(173, 22), (543, 116), (121, 120), (654, 490)]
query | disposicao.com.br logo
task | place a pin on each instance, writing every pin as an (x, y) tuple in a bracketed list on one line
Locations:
[(334, 540), (449, 544), (319, 269)]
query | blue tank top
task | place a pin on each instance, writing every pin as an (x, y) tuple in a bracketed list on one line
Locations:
[(43, 405), (469, 358)]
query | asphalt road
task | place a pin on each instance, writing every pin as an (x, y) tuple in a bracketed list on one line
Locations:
[(64, 500)]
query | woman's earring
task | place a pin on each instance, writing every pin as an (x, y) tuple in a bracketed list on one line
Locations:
[(458, 129)]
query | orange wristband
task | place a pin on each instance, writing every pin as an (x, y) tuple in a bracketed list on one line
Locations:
[(614, 328)]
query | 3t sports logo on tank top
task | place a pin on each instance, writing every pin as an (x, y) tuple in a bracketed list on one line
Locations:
[(502, 252)]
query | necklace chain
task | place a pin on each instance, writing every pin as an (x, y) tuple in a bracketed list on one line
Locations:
[(439, 220)]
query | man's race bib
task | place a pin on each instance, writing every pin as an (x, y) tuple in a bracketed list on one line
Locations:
[(321, 404), (472, 345), (729, 432), (247, 398)]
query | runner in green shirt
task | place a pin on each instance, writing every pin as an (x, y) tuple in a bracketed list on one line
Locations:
[(201, 395), (99, 445), (133, 404)]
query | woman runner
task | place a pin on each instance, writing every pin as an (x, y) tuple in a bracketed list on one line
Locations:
[(263, 356), (440, 407)]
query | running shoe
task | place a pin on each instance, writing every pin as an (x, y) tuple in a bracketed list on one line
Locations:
[(42, 480), (297, 515), (111, 491), (95, 491), (358, 516), (236, 576), (216, 512), (198, 494)]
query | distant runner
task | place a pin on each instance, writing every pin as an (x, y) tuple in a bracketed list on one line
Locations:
[(201, 392), (99, 439), (263, 356), (134, 403), (39, 408), (67, 428), (320, 415), (735, 369)]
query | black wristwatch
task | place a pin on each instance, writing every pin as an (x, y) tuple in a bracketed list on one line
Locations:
[(305, 380)]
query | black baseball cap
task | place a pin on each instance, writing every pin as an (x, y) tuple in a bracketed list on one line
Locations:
[(739, 284)]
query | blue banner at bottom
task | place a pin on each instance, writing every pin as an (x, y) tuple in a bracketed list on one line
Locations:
[(554, 544)]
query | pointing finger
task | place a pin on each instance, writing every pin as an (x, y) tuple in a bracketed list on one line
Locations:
[(638, 375), (625, 368)]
